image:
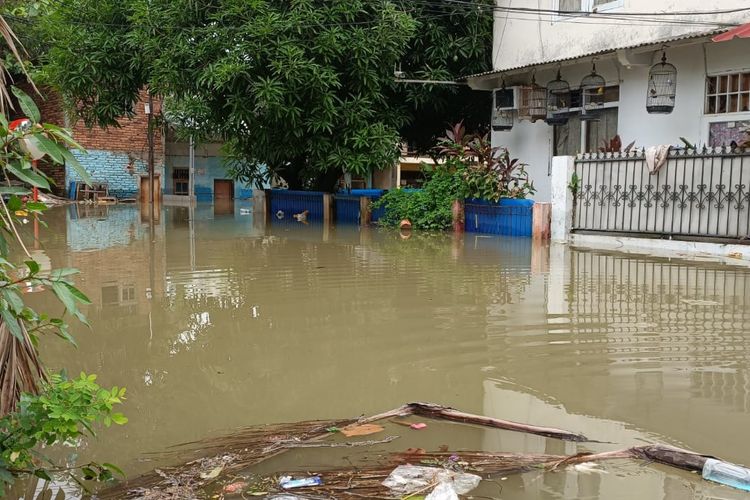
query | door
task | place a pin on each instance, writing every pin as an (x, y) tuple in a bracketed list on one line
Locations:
[(223, 189)]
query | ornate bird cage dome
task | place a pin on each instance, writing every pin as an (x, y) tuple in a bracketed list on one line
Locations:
[(592, 95), (662, 86), (533, 104), (558, 101)]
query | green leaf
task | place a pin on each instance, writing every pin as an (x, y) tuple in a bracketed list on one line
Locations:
[(48, 147), (79, 295), (42, 474), (36, 206), (72, 161), (28, 175), (57, 274), (65, 296), (13, 299), (119, 419), (63, 333), (114, 469), (20, 191), (5, 477), (14, 203), (32, 265), (27, 105), (12, 323)]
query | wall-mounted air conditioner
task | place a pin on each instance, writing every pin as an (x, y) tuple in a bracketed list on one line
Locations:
[(507, 99)]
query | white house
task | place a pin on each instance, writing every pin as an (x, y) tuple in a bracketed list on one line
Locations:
[(624, 39)]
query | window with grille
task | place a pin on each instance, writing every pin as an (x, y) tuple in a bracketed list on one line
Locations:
[(181, 178), (728, 93)]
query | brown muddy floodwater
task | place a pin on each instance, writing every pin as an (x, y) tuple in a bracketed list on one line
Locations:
[(221, 323)]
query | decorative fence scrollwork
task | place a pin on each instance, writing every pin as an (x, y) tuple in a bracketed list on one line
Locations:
[(695, 194)]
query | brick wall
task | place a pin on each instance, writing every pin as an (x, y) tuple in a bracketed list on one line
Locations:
[(116, 155)]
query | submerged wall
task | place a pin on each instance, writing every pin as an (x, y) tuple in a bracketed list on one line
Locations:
[(209, 166)]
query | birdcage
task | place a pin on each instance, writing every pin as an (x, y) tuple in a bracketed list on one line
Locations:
[(558, 101), (533, 102), (662, 87), (503, 103), (592, 95), (502, 119)]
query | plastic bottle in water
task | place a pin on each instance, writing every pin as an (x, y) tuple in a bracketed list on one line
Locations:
[(726, 473)]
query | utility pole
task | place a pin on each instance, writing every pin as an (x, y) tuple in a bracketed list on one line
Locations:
[(150, 139)]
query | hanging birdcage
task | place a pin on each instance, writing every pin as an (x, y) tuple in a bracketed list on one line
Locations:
[(592, 95), (558, 101), (503, 102), (662, 86), (533, 105), (502, 119)]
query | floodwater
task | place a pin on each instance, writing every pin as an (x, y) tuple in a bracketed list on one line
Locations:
[(219, 322)]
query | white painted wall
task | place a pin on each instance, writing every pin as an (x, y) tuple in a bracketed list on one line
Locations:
[(523, 39), (532, 142)]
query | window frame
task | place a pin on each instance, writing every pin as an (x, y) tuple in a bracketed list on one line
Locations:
[(587, 7), (740, 92)]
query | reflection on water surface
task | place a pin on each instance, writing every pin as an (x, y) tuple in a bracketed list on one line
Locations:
[(219, 322)]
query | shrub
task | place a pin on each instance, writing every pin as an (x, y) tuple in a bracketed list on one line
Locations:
[(428, 208)]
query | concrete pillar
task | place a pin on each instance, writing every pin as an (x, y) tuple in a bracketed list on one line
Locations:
[(261, 201), (562, 197), (541, 221), (327, 208), (459, 221), (365, 216)]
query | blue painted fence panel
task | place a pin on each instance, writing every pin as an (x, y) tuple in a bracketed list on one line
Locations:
[(347, 205), (287, 203), (347, 208), (508, 217)]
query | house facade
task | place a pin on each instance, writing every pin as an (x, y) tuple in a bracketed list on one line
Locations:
[(622, 42)]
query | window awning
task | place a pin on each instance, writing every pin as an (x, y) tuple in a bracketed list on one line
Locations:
[(742, 31)]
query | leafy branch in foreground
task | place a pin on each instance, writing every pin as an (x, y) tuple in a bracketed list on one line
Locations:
[(64, 411), (37, 409)]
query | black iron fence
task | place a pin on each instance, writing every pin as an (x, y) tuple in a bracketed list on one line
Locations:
[(703, 194)]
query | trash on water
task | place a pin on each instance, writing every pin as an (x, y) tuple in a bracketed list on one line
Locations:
[(302, 216), (280, 214), (361, 430), (443, 491), (214, 473), (418, 426), (587, 467), (287, 482), (727, 474), (235, 487), (698, 302), (407, 479)]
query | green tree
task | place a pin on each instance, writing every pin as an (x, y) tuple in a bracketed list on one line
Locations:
[(452, 39), (299, 85), (304, 87)]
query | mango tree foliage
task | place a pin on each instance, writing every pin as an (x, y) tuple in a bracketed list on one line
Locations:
[(452, 40), (302, 86)]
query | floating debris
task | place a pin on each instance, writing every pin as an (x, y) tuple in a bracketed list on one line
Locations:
[(218, 463)]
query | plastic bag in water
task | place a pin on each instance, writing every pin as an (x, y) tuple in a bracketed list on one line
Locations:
[(443, 491), (406, 479)]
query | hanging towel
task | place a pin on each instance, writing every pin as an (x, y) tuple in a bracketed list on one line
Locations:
[(656, 157)]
